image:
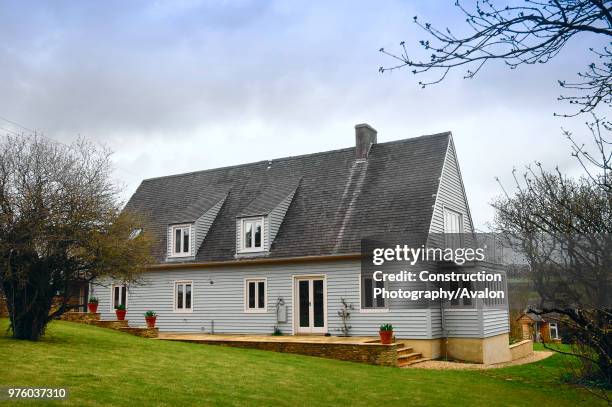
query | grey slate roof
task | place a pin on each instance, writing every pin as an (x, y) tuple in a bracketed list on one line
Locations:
[(338, 201), (198, 207), (270, 197)]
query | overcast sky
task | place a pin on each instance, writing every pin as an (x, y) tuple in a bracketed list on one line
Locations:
[(177, 86)]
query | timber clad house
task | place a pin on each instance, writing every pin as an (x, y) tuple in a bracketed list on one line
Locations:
[(247, 248)]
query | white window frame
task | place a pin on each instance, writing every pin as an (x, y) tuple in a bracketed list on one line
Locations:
[(550, 328), (112, 296), (446, 209), (373, 310), (243, 247), (173, 229), (255, 310), (460, 233), (174, 299)]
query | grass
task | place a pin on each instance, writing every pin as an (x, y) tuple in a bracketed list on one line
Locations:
[(104, 367)]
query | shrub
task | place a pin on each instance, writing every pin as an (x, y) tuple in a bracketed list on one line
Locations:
[(386, 327)]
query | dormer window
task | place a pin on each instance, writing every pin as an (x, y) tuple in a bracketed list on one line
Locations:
[(252, 235), (181, 240)]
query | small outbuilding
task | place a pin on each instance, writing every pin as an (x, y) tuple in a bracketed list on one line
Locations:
[(539, 328)]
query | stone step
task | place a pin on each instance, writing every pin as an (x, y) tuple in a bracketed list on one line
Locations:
[(141, 331), (112, 324), (403, 360), (399, 344), (414, 362), (403, 350), (81, 317)]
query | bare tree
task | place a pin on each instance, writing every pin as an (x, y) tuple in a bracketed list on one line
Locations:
[(563, 227), (526, 33), (60, 222), (596, 164)]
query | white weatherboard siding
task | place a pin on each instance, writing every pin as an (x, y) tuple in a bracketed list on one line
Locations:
[(277, 215), (475, 323), (495, 321), (204, 222), (462, 323), (451, 194), (223, 301)]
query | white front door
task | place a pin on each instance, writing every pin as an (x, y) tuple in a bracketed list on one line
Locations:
[(310, 305)]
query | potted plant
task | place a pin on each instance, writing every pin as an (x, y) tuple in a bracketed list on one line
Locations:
[(92, 305), (120, 312), (150, 317), (386, 334)]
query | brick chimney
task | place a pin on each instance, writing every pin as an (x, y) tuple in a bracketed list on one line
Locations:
[(365, 136)]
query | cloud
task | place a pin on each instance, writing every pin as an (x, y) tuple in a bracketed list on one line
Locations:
[(181, 86)]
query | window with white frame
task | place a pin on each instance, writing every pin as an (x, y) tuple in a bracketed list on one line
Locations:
[(252, 235), (255, 295), (453, 228), (368, 298), (119, 295), (554, 330), (453, 221), (181, 240), (183, 296)]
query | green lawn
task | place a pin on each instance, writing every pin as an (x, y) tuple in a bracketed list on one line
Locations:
[(104, 367)]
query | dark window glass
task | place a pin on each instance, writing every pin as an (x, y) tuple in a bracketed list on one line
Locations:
[(319, 313), (185, 240), (179, 296), (177, 240), (248, 235), (188, 296), (116, 297), (453, 287), (261, 295), (123, 294), (258, 234), (368, 301), (251, 295), (468, 286), (380, 301), (304, 304)]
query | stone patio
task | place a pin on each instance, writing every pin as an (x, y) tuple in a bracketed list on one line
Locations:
[(355, 349)]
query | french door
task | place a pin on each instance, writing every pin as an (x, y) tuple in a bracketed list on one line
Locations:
[(119, 296), (310, 305)]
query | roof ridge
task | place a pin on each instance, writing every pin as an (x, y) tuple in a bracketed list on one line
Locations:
[(409, 139)]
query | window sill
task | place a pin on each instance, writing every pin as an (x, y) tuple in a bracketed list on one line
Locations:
[(242, 251), (179, 256), (255, 311), (373, 310)]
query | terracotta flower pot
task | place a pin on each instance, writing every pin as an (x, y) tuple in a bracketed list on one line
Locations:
[(386, 337), (93, 308), (150, 322), (120, 314)]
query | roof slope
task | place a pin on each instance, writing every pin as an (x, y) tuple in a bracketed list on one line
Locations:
[(337, 203)]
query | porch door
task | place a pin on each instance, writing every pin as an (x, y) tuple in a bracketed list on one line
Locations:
[(311, 305), (119, 294)]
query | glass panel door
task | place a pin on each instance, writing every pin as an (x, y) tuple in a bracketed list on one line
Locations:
[(311, 305), (318, 311), (304, 301)]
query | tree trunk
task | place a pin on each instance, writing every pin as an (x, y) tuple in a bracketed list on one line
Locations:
[(28, 305)]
